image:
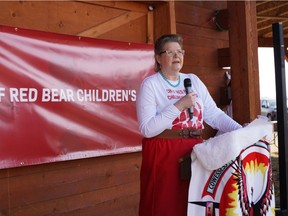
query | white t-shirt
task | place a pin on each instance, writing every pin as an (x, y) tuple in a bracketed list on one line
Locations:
[(156, 111)]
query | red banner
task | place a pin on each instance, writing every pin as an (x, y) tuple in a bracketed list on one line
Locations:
[(66, 97)]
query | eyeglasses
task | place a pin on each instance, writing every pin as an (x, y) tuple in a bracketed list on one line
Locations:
[(171, 53)]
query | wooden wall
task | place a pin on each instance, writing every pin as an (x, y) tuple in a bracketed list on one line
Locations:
[(109, 185), (106, 186), (122, 21)]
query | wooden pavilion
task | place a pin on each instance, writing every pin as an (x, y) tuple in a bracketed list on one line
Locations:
[(216, 34)]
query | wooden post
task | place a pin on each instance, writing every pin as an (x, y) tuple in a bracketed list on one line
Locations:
[(244, 60), (165, 19)]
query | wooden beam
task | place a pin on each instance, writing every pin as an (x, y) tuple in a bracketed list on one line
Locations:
[(150, 27), (124, 5), (271, 8), (258, 3), (265, 27), (244, 60), (265, 18), (269, 34), (111, 24), (268, 42), (165, 19), (171, 6), (273, 17)]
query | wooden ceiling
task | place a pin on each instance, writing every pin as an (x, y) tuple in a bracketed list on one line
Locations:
[(269, 12)]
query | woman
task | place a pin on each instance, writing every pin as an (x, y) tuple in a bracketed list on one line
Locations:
[(168, 131)]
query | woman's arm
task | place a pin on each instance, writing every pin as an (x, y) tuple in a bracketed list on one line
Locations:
[(151, 123)]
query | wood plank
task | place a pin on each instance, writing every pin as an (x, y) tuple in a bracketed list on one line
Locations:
[(28, 170), (4, 173), (215, 5), (172, 16), (74, 202), (150, 27), (123, 5), (76, 17), (72, 181), (201, 56), (164, 15), (111, 24), (202, 71), (196, 33), (194, 15), (131, 32), (60, 17), (5, 193), (28, 191), (125, 206)]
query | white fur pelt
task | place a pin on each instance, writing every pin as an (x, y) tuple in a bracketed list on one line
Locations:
[(218, 151)]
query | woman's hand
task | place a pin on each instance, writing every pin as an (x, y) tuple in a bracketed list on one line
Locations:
[(186, 102)]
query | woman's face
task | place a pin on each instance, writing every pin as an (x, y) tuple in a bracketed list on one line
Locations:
[(171, 58)]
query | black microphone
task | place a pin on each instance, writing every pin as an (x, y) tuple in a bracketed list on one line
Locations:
[(187, 85)]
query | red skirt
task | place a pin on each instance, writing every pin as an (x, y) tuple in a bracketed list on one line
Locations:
[(162, 191)]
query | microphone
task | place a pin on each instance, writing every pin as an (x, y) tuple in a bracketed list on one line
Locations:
[(187, 85)]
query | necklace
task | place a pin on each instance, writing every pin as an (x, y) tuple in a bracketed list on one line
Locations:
[(176, 85)]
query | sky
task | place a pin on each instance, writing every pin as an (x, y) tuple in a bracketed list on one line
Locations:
[(267, 73)]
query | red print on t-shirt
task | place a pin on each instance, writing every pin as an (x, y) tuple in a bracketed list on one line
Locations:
[(183, 120)]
